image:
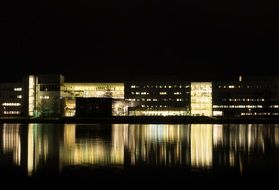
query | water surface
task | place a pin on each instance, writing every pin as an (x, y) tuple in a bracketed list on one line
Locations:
[(120, 152)]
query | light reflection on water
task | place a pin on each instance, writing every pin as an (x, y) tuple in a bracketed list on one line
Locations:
[(36, 148)]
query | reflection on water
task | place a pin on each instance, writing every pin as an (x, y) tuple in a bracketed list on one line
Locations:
[(201, 146), (11, 142), (92, 151), (39, 148)]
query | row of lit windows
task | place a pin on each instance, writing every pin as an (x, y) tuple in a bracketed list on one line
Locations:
[(11, 104), (140, 93), (238, 86), (255, 113), (237, 106), (17, 89), (93, 86), (161, 86), (155, 106), (156, 100), (44, 97), (274, 106), (11, 112), (244, 99), (147, 93)]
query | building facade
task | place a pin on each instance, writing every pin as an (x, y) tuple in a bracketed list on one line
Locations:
[(51, 96), (158, 98), (11, 99), (246, 98)]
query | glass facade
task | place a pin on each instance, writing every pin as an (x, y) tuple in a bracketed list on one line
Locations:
[(201, 98)]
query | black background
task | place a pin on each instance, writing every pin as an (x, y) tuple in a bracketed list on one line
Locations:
[(115, 40)]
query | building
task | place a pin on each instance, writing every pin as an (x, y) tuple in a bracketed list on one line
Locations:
[(43, 95), (51, 96), (158, 98), (11, 100), (256, 97), (71, 91)]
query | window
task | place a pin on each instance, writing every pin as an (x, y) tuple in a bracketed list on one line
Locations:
[(17, 89)]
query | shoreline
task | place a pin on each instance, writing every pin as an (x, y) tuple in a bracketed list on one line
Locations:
[(147, 120)]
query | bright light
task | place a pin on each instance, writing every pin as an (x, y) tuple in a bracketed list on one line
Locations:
[(30, 150), (11, 104), (201, 98), (17, 89), (217, 113), (201, 146), (31, 95), (11, 141), (94, 90)]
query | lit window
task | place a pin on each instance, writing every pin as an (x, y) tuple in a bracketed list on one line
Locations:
[(217, 113), (19, 96), (11, 104), (17, 89), (44, 97), (11, 112)]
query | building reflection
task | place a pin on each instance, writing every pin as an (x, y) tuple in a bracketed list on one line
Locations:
[(201, 146), (44, 148), (158, 145), (92, 150), (11, 143), (235, 143)]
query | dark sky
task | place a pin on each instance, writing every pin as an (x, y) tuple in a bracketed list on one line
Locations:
[(126, 39)]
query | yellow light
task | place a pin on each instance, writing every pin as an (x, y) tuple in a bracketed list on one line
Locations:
[(94, 90), (201, 98), (12, 142), (30, 150), (31, 95), (201, 146)]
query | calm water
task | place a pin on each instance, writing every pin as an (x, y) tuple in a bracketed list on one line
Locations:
[(140, 152)]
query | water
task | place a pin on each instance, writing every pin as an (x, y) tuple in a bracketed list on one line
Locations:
[(140, 153)]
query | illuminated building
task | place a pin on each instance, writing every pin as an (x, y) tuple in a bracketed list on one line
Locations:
[(71, 91), (201, 98), (50, 96), (42, 97), (158, 98), (11, 99), (246, 98)]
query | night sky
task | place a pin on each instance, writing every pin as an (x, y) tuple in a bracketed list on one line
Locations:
[(139, 39)]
